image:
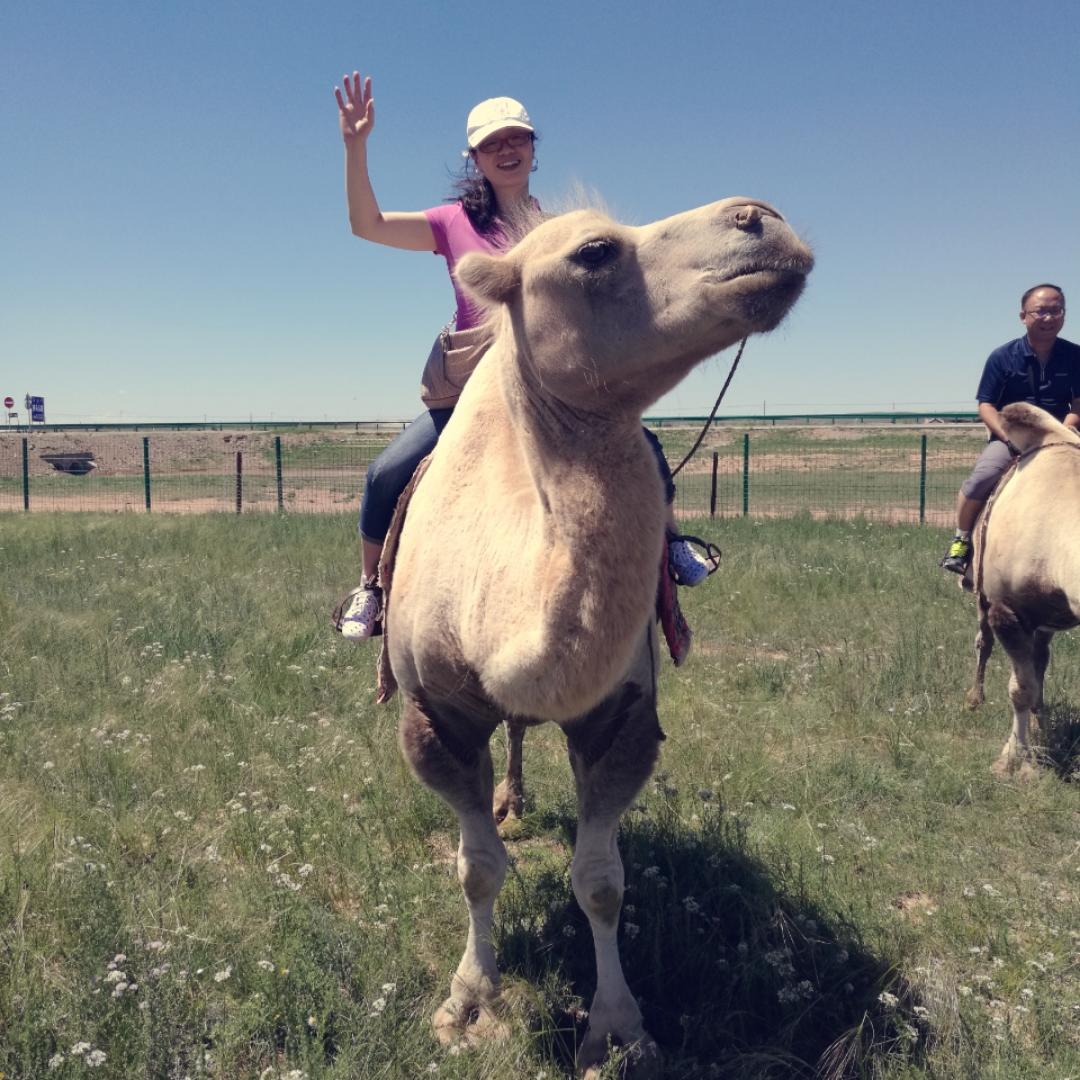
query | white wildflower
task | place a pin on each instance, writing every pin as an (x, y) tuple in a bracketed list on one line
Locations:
[(223, 974)]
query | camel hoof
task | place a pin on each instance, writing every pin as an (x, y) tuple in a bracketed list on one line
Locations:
[(974, 698), (507, 804), (641, 1060), (1027, 772), (1015, 764), (458, 1023)]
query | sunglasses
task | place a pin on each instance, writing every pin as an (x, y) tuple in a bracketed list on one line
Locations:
[(512, 142)]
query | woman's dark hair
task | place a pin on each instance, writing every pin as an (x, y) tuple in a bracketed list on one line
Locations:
[(476, 195)]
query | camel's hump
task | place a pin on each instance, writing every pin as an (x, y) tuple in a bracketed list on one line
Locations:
[(1035, 423)]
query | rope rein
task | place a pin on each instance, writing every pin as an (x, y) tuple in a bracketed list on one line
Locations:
[(723, 391), (1046, 446)]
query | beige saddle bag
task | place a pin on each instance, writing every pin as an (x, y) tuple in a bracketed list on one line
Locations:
[(451, 361)]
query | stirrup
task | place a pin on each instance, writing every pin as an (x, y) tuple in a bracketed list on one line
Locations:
[(337, 617), (710, 553)]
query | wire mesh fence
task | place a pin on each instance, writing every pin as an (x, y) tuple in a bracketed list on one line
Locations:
[(884, 473)]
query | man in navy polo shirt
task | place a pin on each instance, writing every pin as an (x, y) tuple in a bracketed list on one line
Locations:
[(1040, 368)]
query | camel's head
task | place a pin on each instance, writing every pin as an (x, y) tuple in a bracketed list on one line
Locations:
[(609, 317)]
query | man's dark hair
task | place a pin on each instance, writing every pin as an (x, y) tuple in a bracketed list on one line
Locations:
[(1045, 285)]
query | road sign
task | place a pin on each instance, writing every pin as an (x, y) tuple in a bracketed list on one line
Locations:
[(36, 407), (9, 402)]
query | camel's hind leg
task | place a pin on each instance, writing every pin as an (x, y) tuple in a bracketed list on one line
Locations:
[(1028, 658), (450, 754), (612, 751), (1041, 660), (510, 794), (984, 646)]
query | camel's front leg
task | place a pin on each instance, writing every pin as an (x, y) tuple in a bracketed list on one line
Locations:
[(452, 757), (984, 646), (612, 751), (510, 794), (469, 1013), (1025, 688)]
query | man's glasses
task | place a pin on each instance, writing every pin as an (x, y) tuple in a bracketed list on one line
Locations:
[(513, 142), (1046, 312)]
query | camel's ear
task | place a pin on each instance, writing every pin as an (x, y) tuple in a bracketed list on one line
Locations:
[(489, 278)]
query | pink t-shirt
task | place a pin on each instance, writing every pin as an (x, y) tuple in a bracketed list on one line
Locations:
[(455, 237)]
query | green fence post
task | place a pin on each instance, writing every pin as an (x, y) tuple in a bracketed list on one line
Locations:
[(146, 469), (712, 496), (277, 458), (25, 475), (922, 481), (746, 473), (239, 481)]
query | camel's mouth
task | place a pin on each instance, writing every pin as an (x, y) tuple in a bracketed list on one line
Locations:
[(795, 266)]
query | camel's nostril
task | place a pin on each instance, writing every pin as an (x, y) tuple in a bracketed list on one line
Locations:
[(747, 217)]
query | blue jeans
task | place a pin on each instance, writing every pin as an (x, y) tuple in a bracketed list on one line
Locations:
[(389, 474)]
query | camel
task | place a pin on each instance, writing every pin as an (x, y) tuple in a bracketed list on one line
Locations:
[(1026, 568), (524, 575)]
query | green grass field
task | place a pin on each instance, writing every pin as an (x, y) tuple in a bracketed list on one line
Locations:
[(213, 862)]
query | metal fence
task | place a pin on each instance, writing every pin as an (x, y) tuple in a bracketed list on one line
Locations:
[(883, 472)]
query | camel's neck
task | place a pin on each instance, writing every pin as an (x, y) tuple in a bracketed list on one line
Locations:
[(566, 540), (583, 463)]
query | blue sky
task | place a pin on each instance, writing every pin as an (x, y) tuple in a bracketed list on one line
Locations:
[(173, 236)]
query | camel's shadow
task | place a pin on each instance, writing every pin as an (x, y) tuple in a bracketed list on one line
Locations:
[(1059, 746), (737, 975)]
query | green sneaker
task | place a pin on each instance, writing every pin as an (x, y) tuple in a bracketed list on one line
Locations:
[(958, 556)]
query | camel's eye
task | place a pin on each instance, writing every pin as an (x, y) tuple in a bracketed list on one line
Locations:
[(596, 253)]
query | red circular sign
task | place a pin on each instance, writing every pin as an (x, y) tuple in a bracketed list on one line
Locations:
[(9, 402)]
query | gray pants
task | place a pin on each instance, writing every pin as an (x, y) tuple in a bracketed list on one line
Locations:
[(989, 469)]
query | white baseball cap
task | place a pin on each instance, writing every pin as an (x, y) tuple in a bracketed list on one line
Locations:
[(493, 115)]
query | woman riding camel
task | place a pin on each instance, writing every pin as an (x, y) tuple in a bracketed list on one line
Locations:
[(492, 207)]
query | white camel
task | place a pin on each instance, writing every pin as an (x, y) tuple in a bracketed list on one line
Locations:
[(1026, 568), (525, 572)]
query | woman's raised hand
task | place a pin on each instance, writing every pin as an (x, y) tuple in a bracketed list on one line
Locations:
[(356, 107)]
